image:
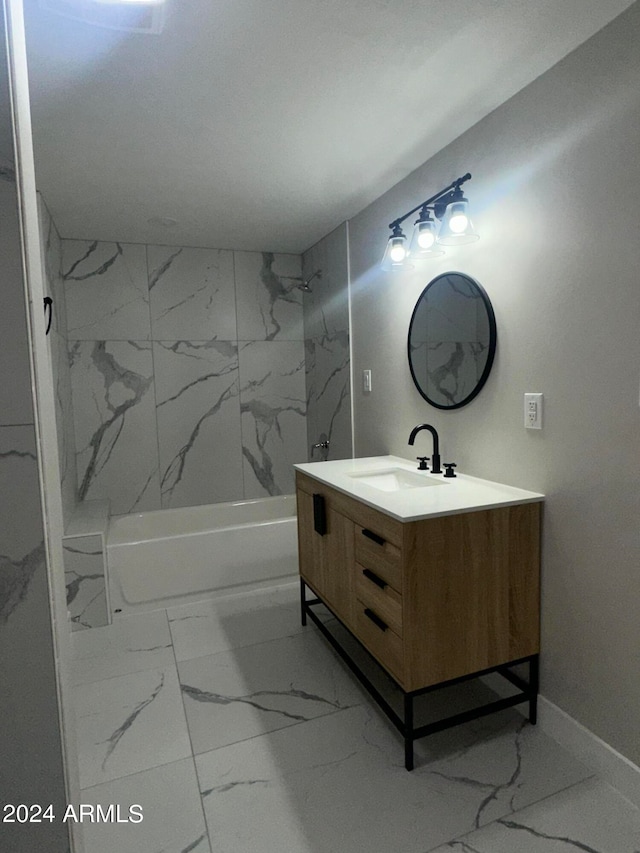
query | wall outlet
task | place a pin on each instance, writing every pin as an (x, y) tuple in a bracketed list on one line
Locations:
[(533, 411), (366, 381)]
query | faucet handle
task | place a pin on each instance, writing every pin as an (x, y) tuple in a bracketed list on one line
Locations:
[(423, 463), (321, 445), (449, 466)]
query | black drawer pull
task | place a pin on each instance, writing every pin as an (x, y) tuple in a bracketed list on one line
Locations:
[(373, 577), (373, 536), (319, 514), (375, 619)]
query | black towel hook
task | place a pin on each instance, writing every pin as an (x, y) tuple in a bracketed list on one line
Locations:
[(48, 306)]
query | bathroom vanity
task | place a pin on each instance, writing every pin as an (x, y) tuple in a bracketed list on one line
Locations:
[(438, 578)]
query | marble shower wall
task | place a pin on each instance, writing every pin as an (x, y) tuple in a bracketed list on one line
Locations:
[(31, 769), (187, 373), (84, 570), (326, 322), (51, 250)]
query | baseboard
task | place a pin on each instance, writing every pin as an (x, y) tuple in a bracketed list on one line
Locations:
[(599, 756), (587, 747)]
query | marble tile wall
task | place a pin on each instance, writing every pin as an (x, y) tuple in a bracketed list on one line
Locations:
[(326, 322), (52, 260), (187, 373), (31, 770), (84, 571), (31, 765)]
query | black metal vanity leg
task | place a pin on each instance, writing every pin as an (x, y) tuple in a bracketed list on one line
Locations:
[(534, 685), (303, 603), (408, 731)]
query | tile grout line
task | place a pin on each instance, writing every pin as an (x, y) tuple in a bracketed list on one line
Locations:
[(186, 721), (516, 812), (281, 728), (160, 669), (102, 657)]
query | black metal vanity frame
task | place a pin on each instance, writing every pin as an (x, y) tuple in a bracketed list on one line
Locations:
[(528, 691)]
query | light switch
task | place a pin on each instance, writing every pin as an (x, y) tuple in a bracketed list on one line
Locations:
[(366, 381)]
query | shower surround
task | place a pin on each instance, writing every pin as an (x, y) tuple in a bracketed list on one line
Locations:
[(187, 373), (186, 377), (327, 358)]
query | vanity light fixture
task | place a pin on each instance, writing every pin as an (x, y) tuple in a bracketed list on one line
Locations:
[(451, 208)]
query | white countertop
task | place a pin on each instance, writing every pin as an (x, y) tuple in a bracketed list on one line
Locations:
[(444, 497)]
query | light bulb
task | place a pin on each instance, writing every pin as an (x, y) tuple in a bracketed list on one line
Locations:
[(426, 238), (457, 228), (397, 252), (458, 221)]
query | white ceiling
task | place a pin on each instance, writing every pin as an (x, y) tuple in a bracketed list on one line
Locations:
[(262, 124)]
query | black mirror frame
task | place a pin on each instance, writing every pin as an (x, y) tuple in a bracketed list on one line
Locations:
[(493, 337)]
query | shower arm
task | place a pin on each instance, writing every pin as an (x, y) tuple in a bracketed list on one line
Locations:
[(304, 283)]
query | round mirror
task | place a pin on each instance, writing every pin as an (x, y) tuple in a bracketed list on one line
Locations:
[(452, 340)]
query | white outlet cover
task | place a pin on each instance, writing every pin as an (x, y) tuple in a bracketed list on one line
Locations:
[(533, 411)]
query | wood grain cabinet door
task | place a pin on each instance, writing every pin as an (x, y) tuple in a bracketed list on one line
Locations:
[(327, 561)]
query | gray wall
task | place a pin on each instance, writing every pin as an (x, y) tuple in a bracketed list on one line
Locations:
[(31, 769), (556, 172)]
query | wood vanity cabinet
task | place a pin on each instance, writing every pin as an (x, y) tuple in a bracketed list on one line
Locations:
[(432, 600)]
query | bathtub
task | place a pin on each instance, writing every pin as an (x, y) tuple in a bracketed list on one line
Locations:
[(174, 555)]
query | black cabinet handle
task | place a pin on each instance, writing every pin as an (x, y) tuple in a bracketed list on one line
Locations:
[(375, 619), (373, 536), (372, 576), (319, 514)]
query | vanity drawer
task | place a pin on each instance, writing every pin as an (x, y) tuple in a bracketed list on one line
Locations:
[(375, 553), (384, 644), (384, 600)]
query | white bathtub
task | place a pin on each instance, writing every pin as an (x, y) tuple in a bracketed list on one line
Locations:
[(166, 556)]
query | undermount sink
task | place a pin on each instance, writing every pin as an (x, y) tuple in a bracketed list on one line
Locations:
[(395, 479), (392, 485)]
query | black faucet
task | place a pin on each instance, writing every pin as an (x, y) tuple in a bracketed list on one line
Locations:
[(435, 459)]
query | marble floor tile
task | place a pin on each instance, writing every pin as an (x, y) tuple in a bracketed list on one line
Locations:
[(246, 692), (128, 724), (338, 783), (172, 822), (216, 625), (505, 765), (130, 644), (590, 816)]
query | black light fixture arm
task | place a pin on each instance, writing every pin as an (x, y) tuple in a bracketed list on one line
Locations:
[(449, 191)]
